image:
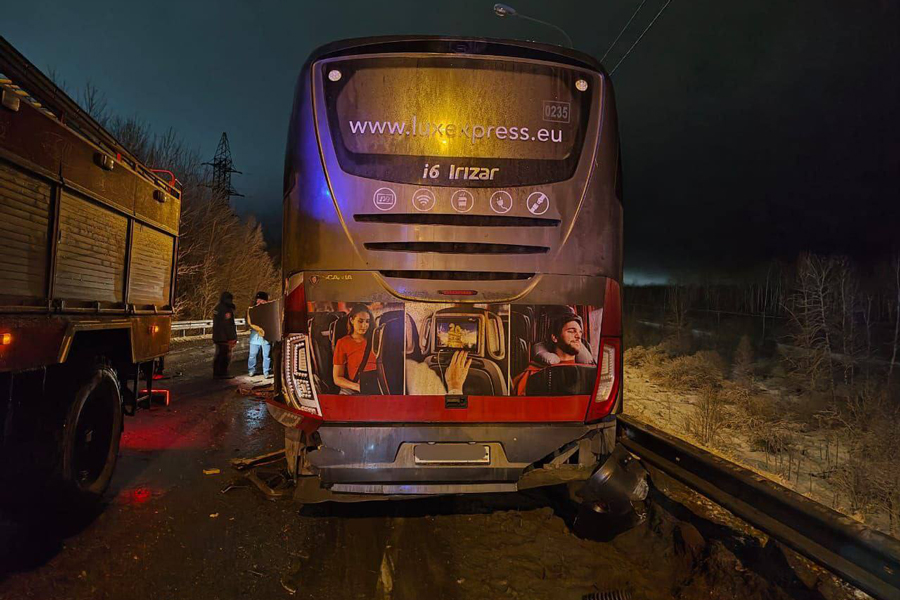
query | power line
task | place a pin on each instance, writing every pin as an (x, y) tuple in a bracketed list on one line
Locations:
[(616, 41), (641, 36)]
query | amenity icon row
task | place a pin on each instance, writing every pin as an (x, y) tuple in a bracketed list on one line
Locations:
[(462, 201)]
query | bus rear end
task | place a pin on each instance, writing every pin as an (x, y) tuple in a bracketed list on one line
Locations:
[(452, 258)]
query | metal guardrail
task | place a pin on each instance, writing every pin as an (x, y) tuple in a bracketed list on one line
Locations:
[(202, 326), (858, 554)]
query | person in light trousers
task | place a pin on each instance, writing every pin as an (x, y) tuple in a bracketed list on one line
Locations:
[(258, 342)]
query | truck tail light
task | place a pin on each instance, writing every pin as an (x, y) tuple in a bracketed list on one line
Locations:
[(299, 391), (609, 375), (6, 339)]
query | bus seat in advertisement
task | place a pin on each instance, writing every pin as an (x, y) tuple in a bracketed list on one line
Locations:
[(390, 364)]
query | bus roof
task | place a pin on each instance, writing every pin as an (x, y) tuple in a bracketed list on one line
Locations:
[(439, 44)]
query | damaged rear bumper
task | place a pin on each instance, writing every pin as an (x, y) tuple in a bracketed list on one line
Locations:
[(399, 460)]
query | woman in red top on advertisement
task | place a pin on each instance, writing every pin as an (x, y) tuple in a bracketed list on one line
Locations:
[(353, 349)]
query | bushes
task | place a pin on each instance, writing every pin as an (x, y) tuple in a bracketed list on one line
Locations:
[(708, 417), (643, 356), (870, 479), (703, 370), (742, 370), (686, 373), (703, 373), (771, 437), (698, 371)]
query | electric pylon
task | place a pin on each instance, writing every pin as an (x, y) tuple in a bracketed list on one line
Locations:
[(222, 168)]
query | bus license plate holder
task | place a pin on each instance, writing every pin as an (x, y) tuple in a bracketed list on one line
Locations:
[(451, 453)]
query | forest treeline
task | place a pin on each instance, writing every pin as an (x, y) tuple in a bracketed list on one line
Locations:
[(821, 302)]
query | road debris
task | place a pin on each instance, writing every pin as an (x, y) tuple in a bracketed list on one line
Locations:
[(289, 584), (211, 471), (233, 486), (263, 459), (610, 595)]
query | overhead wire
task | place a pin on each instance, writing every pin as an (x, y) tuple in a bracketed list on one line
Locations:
[(616, 41), (641, 36)]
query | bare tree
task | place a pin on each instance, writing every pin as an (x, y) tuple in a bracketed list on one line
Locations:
[(94, 102), (846, 290), (54, 75), (808, 312), (868, 324), (217, 250)]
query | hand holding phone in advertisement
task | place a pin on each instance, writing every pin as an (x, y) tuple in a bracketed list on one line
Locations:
[(458, 371)]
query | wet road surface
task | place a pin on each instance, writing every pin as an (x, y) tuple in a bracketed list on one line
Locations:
[(167, 530)]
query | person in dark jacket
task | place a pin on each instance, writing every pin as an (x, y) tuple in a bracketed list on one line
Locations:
[(224, 334)]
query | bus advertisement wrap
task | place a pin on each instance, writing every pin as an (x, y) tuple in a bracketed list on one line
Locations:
[(426, 349)]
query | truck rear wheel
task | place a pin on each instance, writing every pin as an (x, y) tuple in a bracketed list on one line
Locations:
[(91, 435)]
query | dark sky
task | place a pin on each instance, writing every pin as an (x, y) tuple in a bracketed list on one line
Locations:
[(750, 130)]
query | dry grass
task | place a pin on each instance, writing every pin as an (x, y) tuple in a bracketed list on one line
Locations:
[(639, 357), (742, 370), (701, 374), (870, 477), (842, 450), (700, 371), (709, 417)]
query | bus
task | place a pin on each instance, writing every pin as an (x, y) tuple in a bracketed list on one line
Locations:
[(452, 259)]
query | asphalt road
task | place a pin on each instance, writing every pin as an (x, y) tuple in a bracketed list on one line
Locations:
[(168, 531)]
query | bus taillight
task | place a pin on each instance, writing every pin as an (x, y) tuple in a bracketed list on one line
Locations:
[(606, 390), (609, 376), (300, 391)]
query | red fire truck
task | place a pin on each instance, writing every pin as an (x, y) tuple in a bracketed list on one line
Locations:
[(88, 266)]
